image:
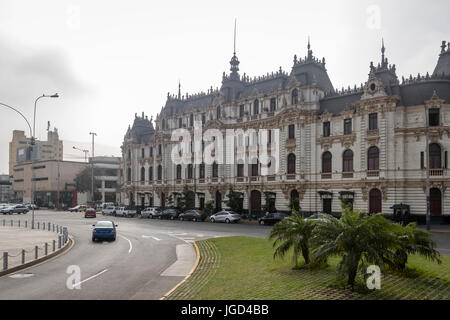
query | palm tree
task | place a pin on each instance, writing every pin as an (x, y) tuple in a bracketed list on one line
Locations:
[(412, 240), (293, 232), (360, 239)]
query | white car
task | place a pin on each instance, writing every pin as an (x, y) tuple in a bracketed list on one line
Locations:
[(124, 212), (150, 212), (109, 210), (78, 208)]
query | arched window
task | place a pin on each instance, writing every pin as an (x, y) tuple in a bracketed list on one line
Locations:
[(435, 156), (256, 106), (159, 172), (347, 161), (142, 174), (291, 164), (190, 170), (295, 96), (326, 162), (178, 171), (373, 159), (150, 174)]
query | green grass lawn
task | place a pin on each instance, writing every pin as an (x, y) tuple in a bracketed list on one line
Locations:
[(244, 268)]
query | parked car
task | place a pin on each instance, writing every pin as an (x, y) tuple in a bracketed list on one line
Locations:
[(171, 214), (125, 211), (272, 218), (150, 212), (20, 208), (7, 209), (78, 208), (31, 206), (104, 230), (90, 213), (225, 216), (109, 210), (194, 215)]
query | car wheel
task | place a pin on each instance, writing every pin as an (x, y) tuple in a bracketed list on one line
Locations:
[(194, 219), (227, 220), (261, 222), (213, 220), (93, 239), (160, 217), (181, 219), (171, 217)]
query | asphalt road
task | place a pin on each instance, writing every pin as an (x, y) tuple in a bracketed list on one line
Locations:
[(129, 268), (132, 267)]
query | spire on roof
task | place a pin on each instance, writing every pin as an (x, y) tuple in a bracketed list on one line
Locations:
[(179, 89), (310, 54), (234, 60), (443, 46)]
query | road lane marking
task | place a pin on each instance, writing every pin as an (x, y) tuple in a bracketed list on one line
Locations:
[(131, 246), (154, 238), (90, 278)]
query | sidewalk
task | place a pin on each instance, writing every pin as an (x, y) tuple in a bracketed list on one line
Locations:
[(14, 239), (437, 228)]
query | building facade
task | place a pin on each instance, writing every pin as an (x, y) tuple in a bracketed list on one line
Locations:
[(382, 143), (54, 182), (19, 148), (106, 178), (6, 190)]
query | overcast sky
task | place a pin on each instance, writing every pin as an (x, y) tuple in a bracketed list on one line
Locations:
[(111, 59)]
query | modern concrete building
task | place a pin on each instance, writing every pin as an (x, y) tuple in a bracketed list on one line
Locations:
[(52, 178), (6, 190), (366, 145), (19, 151), (106, 177)]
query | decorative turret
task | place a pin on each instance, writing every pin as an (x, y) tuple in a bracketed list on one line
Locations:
[(443, 65), (384, 71)]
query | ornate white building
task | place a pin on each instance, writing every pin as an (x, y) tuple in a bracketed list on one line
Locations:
[(366, 145)]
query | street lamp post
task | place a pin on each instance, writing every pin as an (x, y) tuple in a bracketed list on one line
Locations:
[(86, 152), (428, 171), (33, 137), (93, 134)]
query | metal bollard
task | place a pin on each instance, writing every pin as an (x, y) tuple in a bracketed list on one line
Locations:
[(59, 242), (53, 227), (36, 252), (5, 260), (48, 226), (38, 225), (23, 256), (11, 223), (43, 225), (3, 222), (19, 223), (54, 245), (26, 223), (46, 248)]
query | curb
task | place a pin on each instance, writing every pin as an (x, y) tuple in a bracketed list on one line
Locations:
[(39, 261), (444, 232), (197, 252)]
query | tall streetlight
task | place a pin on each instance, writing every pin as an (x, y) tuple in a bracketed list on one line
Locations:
[(33, 137), (428, 170), (86, 152), (93, 134)]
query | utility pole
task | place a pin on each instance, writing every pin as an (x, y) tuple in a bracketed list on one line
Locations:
[(93, 134)]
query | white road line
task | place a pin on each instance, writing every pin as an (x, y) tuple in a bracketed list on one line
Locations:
[(172, 235), (154, 238), (131, 246), (90, 278)]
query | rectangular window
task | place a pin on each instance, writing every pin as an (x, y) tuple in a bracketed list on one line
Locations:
[(142, 153), (291, 131), (269, 138), (326, 129), (373, 121), (151, 152), (241, 111), (422, 160), (433, 119), (273, 104), (160, 149), (240, 170), (348, 126), (445, 160), (180, 123), (203, 118)]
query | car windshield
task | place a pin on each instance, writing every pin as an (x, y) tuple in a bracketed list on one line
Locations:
[(104, 224)]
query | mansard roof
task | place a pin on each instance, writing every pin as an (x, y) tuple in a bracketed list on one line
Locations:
[(443, 65), (142, 129)]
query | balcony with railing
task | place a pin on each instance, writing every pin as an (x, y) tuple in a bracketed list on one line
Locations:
[(436, 172), (347, 175), (327, 175), (373, 173)]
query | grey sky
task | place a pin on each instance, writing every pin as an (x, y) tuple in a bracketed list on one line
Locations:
[(110, 59)]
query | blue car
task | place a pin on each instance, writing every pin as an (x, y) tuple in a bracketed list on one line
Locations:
[(104, 230)]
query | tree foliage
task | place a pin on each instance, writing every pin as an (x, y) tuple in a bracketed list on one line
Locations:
[(235, 201), (83, 180), (269, 205)]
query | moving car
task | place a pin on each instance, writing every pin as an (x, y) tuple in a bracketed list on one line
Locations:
[(105, 230), (171, 214), (125, 212), (90, 213), (150, 212), (225, 216), (194, 215), (78, 208), (272, 218), (109, 210)]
